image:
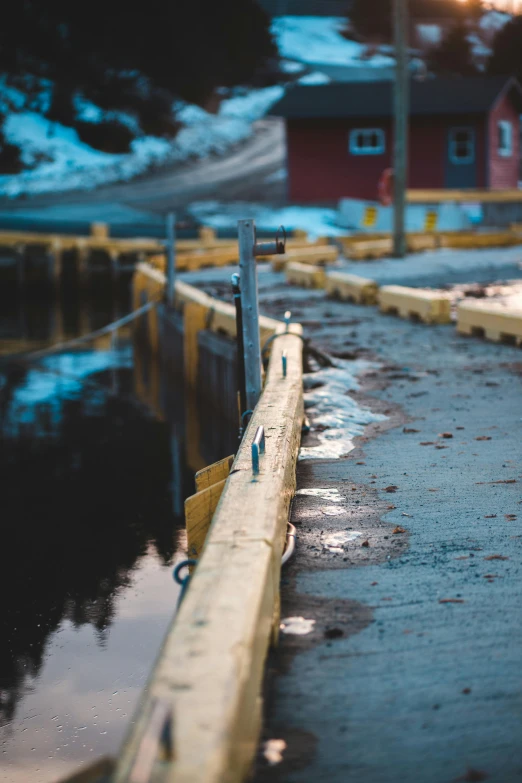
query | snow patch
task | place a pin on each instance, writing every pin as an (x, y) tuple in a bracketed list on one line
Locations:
[(312, 39), (314, 78), (330, 406), (317, 221), (60, 161)]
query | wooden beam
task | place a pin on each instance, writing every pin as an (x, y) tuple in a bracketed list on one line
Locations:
[(213, 473), (199, 510), (210, 669)]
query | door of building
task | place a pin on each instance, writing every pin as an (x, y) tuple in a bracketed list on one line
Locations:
[(461, 158)]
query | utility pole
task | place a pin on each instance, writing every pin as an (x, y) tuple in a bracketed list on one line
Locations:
[(401, 112)]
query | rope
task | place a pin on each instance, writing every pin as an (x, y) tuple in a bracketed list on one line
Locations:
[(112, 327)]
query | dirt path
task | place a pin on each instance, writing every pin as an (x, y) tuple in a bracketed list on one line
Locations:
[(244, 173)]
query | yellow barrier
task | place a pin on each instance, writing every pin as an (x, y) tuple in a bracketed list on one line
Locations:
[(491, 320), (351, 287), (316, 255), (475, 240), (427, 306), (370, 249), (305, 275), (209, 673)]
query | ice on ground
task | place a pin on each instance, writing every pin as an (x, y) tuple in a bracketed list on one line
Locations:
[(297, 625), (317, 221), (331, 407), (335, 542)]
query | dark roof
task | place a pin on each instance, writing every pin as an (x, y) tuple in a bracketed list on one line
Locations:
[(445, 95)]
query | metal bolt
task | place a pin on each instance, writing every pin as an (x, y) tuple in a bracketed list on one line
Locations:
[(258, 448), (284, 361), (286, 319)]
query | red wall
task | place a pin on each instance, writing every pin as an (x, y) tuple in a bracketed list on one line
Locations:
[(321, 168), (503, 172)]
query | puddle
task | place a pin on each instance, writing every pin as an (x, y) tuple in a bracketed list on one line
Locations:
[(335, 542), (323, 493), (331, 407)]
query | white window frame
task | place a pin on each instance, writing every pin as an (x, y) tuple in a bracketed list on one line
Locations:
[(458, 161), (505, 126), (355, 149)]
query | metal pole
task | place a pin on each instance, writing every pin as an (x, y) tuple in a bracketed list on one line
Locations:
[(171, 257), (236, 289), (401, 107), (250, 310)]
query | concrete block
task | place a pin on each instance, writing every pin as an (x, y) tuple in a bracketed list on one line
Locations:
[(417, 303), (305, 275), (492, 320), (351, 288)]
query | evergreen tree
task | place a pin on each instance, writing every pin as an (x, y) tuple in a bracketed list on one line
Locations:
[(373, 19), (454, 55), (188, 48), (506, 57)]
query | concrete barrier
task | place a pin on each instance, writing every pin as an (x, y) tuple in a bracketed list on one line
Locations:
[(491, 320), (351, 288), (314, 255), (206, 685), (428, 306), (475, 241), (305, 275), (369, 249)]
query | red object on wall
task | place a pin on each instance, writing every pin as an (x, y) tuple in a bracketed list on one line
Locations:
[(385, 188)]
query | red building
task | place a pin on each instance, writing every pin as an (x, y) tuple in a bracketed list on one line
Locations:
[(464, 133)]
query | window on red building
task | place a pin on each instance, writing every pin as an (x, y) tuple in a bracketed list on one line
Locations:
[(505, 138), (367, 141), (462, 145)]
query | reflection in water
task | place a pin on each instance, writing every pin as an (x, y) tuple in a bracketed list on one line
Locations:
[(89, 537)]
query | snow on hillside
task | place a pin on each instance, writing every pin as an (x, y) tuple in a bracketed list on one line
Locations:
[(58, 160), (319, 40), (317, 221)]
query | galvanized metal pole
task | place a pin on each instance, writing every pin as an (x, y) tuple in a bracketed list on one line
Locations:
[(171, 257), (401, 106), (250, 310)]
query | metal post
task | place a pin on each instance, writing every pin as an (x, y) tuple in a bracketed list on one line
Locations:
[(250, 309), (401, 102), (171, 257), (236, 289)]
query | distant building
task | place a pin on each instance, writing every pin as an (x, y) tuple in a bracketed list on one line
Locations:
[(464, 134)]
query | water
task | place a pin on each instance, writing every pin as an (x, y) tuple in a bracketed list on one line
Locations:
[(93, 479)]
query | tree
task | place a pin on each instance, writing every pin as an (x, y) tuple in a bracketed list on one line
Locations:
[(188, 48), (506, 57), (454, 55), (373, 19)]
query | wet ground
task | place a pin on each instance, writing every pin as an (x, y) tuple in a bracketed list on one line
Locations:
[(405, 666), (93, 481)]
